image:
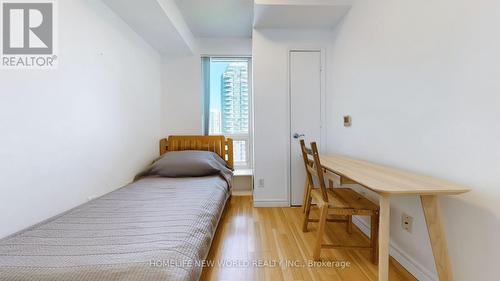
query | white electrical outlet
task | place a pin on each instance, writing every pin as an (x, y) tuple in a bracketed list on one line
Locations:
[(260, 183), (407, 222)]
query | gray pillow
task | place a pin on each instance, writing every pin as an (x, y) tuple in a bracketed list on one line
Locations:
[(188, 163)]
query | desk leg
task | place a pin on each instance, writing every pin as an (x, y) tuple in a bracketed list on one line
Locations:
[(383, 238), (432, 212)]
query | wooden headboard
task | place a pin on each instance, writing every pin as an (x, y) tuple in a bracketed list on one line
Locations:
[(218, 144)]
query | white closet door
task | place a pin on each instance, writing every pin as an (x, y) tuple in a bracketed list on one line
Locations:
[(305, 113)]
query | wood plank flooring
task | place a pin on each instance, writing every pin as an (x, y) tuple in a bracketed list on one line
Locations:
[(257, 243)]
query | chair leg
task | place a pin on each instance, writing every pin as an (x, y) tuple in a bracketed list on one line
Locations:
[(307, 210), (321, 231), (374, 238), (306, 195), (349, 224)]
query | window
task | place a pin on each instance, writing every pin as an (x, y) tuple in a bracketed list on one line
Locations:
[(227, 103)]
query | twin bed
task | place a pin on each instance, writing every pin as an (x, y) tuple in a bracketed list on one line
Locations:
[(156, 228)]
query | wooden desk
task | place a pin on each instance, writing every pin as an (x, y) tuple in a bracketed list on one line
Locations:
[(389, 182)]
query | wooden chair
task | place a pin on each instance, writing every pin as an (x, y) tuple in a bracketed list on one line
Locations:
[(339, 202)]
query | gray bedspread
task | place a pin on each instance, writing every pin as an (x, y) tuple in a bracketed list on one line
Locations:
[(153, 229)]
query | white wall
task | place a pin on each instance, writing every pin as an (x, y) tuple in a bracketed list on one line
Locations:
[(181, 96), (84, 129), (271, 106), (421, 83), (182, 89)]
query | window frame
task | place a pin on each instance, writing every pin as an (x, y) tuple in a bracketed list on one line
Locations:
[(206, 110)]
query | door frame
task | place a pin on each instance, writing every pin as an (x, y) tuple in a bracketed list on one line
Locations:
[(323, 133)]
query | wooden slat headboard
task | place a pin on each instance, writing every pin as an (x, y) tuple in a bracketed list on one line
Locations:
[(218, 144)]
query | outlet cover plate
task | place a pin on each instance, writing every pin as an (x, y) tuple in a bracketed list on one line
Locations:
[(407, 222)]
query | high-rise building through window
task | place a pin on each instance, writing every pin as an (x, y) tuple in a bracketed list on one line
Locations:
[(235, 99)]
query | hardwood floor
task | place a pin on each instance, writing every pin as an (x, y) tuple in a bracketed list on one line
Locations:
[(251, 242)]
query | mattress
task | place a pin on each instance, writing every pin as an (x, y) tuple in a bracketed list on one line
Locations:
[(153, 229)]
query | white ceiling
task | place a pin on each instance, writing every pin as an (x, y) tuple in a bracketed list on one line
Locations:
[(155, 21), (218, 18), (299, 16), (172, 26)]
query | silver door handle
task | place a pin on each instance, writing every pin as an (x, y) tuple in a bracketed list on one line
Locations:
[(297, 135)]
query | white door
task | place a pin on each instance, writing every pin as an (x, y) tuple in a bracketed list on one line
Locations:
[(305, 114)]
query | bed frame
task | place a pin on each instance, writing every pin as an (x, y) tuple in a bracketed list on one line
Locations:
[(218, 144)]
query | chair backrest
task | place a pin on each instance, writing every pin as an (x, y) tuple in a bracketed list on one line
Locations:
[(313, 167)]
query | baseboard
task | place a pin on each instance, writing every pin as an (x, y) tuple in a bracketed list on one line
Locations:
[(235, 192), (416, 269), (270, 203)]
